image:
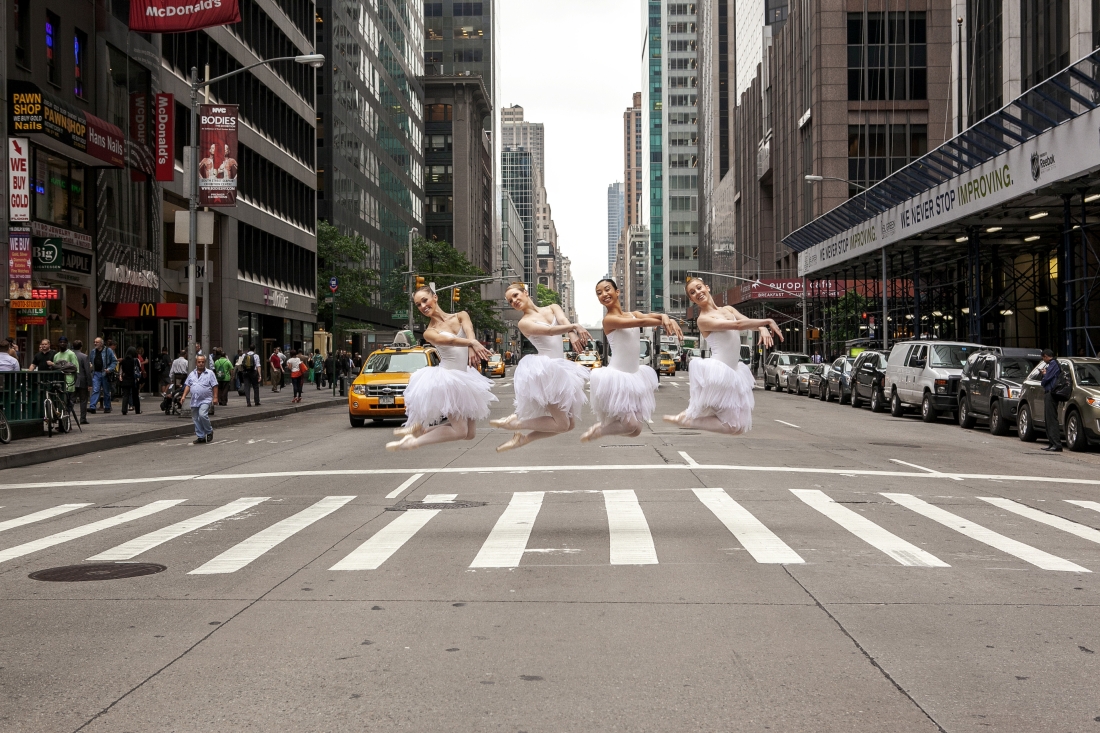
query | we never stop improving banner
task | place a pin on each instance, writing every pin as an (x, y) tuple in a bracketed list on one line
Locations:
[(176, 16)]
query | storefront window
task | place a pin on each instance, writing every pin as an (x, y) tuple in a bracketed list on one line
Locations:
[(59, 192)]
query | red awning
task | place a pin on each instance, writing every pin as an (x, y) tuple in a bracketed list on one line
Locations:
[(147, 310), (105, 141)]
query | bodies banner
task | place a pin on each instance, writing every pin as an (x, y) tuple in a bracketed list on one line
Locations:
[(19, 265), (177, 16), (218, 155)]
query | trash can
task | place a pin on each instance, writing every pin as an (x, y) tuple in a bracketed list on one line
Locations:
[(343, 386)]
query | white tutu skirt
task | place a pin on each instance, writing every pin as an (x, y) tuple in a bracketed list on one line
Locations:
[(619, 395), (541, 382), (435, 393), (721, 390)]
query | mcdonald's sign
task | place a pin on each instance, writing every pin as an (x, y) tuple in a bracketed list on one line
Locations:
[(147, 310)]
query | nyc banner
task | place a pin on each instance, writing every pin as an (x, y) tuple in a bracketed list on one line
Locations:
[(218, 155), (178, 16)]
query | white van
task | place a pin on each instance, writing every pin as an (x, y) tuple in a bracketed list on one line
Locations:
[(926, 374)]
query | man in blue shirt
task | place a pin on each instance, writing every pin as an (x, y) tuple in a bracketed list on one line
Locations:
[(1050, 405), (200, 384)]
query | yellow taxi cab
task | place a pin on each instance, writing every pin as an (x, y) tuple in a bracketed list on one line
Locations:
[(667, 365), (496, 366), (378, 392), (589, 359)]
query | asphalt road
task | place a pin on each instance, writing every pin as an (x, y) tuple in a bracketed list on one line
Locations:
[(798, 578)]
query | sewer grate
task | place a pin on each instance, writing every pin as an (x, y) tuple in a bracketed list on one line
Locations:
[(101, 571), (403, 506)]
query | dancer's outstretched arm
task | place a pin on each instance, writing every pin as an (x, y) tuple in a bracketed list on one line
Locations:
[(710, 322), (631, 320), (765, 334)]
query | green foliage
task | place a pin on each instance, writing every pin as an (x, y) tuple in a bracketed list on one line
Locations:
[(444, 265), (546, 296), (844, 317), (346, 258)]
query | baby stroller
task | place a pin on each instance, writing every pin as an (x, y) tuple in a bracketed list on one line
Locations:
[(172, 404)]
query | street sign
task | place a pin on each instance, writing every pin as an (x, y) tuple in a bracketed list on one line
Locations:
[(397, 315), (333, 283)]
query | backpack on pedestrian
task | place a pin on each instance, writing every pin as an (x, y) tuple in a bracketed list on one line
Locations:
[(1062, 389), (248, 363)]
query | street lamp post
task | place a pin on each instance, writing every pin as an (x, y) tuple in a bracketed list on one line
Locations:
[(412, 278), (313, 59)]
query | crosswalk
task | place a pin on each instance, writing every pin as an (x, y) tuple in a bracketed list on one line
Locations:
[(630, 539)]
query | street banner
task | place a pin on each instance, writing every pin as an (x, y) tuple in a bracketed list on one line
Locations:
[(19, 265), (164, 128), (47, 254), (218, 155), (178, 16), (19, 185)]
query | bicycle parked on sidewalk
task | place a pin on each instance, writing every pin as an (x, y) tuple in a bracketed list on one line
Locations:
[(5, 429), (57, 410)]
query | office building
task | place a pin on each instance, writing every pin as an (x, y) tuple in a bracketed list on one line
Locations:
[(518, 183), (615, 215), (546, 267), (459, 41), (567, 288), (516, 132), (636, 275), (370, 132), (633, 149)]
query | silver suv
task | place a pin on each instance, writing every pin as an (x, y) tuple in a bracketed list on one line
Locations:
[(926, 374), (778, 364)]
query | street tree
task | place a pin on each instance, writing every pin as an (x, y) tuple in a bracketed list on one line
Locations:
[(344, 257)]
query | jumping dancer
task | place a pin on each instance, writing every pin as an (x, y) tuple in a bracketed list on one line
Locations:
[(549, 387), (720, 388), (622, 394), (453, 390)]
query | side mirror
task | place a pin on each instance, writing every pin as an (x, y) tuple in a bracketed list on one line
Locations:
[(983, 374), (919, 363)]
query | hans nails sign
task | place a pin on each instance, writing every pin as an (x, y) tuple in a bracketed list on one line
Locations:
[(19, 187)]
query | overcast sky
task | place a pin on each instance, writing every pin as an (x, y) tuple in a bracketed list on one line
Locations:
[(574, 65)]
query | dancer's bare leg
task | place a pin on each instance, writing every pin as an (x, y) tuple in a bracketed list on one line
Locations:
[(556, 423), (460, 429), (628, 427), (710, 423)]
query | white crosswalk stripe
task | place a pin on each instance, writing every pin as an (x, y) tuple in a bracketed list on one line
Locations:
[(386, 541), (242, 554), (1025, 552), (631, 541), (874, 535), (87, 529), (505, 544), (1087, 533), (137, 546), (1094, 505), (39, 516), (758, 540)]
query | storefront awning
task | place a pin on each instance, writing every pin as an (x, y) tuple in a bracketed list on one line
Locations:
[(147, 310), (58, 126)]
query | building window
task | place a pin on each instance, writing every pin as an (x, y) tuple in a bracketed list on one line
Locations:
[(681, 64), (887, 56), (466, 9), (681, 27), (681, 139), (440, 204), (681, 46), (433, 10), (875, 151), (269, 260), (437, 143), (440, 173), (683, 203), (681, 100), (22, 32), (53, 25), (468, 56), (984, 46), (60, 196), (1044, 45), (682, 82), (681, 8), (438, 113), (80, 43)]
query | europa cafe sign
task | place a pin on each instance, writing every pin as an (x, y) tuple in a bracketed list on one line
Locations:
[(178, 16)]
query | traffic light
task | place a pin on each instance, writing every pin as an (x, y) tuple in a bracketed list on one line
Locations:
[(455, 296), (419, 282)]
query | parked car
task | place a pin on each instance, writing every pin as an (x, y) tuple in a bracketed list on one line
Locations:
[(990, 388), (798, 378), (819, 381), (839, 374), (778, 364), (1079, 415), (867, 379), (926, 374)]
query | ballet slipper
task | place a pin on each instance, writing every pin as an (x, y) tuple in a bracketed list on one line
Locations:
[(415, 430), (406, 443), (677, 420), (591, 434), (506, 422), (518, 441)]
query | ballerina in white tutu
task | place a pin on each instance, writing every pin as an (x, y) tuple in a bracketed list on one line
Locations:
[(720, 388), (622, 394), (453, 390), (549, 388)]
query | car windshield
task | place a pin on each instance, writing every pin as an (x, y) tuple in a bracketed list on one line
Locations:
[(1017, 368), (951, 357), (790, 359), (495, 359), (1088, 375), (395, 363), (587, 357)]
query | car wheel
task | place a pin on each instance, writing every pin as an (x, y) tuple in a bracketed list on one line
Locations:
[(855, 402), (842, 399), (997, 424), (767, 386), (357, 422), (877, 400), (966, 417), (824, 394), (1076, 440), (1024, 426), (895, 406), (927, 411)]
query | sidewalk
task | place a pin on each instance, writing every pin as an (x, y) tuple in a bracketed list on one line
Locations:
[(116, 430)]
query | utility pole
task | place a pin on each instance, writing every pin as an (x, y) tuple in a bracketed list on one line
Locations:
[(412, 279), (205, 341), (193, 221)]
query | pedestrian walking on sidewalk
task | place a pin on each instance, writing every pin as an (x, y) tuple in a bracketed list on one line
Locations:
[(200, 384), (64, 360), (223, 370), (8, 362), (297, 369), (83, 379), (248, 371), (318, 369), (43, 360), (276, 364), (130, 381), (162, 367), (1052, 375), (104, 362), (178, 371)]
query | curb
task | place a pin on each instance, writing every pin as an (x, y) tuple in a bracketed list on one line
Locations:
[(95, 445)]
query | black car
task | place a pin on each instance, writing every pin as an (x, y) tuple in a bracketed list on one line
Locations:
[(868, 378), (818, 381), (839, 373), (990, 388)]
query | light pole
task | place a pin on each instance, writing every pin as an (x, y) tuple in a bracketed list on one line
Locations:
[(412, 278), (313, 59)]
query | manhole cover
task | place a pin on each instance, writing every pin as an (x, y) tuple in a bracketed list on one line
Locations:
[(405, 505), (102, 571), (897, 445)]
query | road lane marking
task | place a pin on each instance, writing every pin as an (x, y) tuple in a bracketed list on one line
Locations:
[(87, 529), (1027, 553), (904, 552), (439, 499), (386, 541), (758, 540), (675, 384), (505, 544), (1081, 530), (1094, 505), (405, 485), (631, 540), (792, 425), (690, 461), (243, 553), (135, 547), (39, 516), (922, 468)]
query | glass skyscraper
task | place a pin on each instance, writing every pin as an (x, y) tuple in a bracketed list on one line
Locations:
[(518, 181)]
